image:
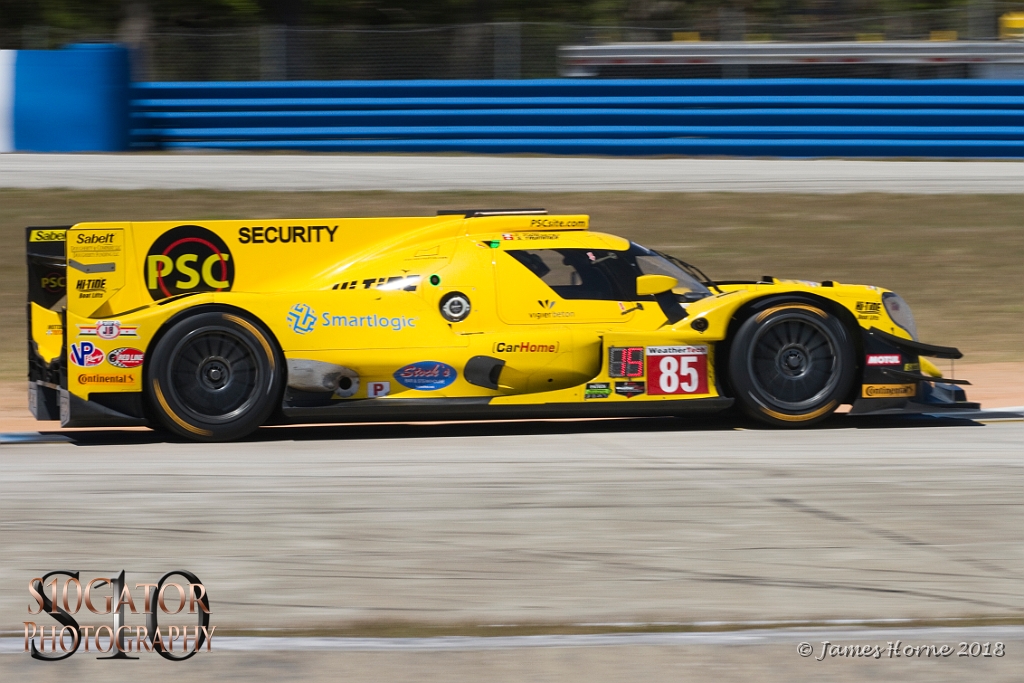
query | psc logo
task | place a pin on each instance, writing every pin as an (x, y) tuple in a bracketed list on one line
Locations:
[(188, 259)]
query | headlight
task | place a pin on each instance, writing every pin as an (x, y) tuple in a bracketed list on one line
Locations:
[(900, 313)]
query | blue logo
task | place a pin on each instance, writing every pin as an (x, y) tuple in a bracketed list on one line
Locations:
[(302, 318), (427, 375)]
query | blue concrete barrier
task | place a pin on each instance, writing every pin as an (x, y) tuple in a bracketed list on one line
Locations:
[(780, 117), (71, 100)]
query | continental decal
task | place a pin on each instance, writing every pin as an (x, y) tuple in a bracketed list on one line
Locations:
[(47, 236), (106, 379), (188, 259), (290, 234), (889, 390)]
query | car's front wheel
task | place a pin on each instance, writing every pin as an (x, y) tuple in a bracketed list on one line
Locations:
[(214, 376), (791, 363)]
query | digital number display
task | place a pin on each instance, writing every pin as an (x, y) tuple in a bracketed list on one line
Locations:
[(626, 361)]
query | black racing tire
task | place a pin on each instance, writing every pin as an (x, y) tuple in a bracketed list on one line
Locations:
[(791, 364), (214, 376)]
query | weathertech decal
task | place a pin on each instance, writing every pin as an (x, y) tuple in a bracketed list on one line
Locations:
[(885, 359), (188, 259), (889, 390)]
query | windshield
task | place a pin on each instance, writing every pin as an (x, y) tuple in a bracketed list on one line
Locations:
[(605, 274)]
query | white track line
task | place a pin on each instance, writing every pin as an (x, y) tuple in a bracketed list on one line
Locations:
[(503, 174)]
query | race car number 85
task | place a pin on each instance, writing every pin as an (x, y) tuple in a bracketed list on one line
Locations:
[(677, 370)]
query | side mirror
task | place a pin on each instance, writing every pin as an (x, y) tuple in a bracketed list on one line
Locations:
[(655, 284)]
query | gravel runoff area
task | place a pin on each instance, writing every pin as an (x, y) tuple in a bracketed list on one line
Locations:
[(503, 173)]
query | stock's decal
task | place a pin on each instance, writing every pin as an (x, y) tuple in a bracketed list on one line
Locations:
[(86, 355), (188, 259), (426, 375), (677, 369), (888, 390), (597, 390), (630, 389), (884, 359), (125, 357)]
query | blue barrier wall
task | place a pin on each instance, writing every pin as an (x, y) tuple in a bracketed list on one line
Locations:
[(71, 100), (785, 118)]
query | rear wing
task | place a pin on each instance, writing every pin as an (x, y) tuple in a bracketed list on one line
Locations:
[(47, 303)]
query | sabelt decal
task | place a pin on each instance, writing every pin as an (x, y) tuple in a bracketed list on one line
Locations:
[(427, 375), (188, 259), (677, 370), (889, 390), (47, 236), (86, 355), (884, 359), (108, 329), (125, 357)]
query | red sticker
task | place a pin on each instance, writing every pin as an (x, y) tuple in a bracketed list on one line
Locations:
[(677, 370)]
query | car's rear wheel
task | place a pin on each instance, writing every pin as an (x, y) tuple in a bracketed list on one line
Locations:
[(214, 377), (791, 364)]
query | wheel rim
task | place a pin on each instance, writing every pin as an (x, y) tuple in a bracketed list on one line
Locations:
[(215, 375), (794, 362)]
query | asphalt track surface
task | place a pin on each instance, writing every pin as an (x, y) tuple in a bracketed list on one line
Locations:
[(503, 174), (599, 522)]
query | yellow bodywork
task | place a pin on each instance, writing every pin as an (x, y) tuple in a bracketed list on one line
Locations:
[(365, 293)]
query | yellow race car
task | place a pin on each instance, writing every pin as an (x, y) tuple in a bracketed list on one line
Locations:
[(211, 329)]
